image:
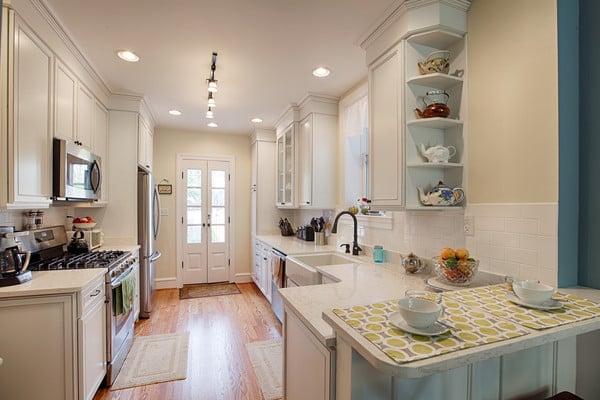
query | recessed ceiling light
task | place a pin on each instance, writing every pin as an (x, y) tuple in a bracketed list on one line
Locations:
[(256, 120), (127, 55), (321, 72), (212, 124), (174, 112)]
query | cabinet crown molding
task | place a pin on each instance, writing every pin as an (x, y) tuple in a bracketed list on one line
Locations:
[(398, 9)]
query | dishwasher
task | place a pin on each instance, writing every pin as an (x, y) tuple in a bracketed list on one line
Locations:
[(278, 281)]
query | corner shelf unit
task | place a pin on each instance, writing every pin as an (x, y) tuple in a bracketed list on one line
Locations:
[(449, 131)]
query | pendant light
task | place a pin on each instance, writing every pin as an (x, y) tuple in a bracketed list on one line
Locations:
[(211, 101), (209, 113)]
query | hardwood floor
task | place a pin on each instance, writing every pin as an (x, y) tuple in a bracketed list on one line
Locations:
[(219, 327)]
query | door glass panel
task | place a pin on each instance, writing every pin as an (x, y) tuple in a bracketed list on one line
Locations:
[(194, 234), (217, 179), (194, 177), (217, 233), (194, 215), (194, 197), (218, 215), (218, 197)]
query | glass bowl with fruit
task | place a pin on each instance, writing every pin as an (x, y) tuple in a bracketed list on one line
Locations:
[(455, 266), (84, 223)]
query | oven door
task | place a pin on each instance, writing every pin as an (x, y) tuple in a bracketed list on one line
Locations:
[(77, 173), (121, 325)]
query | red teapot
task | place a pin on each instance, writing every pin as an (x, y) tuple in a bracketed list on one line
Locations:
[(436, 105)]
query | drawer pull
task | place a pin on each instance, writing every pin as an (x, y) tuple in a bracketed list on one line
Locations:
[(96, 293)]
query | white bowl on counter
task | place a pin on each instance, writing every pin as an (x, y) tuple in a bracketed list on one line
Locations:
[(419, 313), (533, 292), (84, 225)]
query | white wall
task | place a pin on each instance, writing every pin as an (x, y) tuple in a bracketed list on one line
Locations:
[(167, 144)]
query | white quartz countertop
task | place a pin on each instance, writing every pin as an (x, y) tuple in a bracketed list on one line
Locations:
[(54, 282), (364, 283), (290, 245)]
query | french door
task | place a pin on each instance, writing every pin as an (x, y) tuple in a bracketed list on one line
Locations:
[(204, 210)]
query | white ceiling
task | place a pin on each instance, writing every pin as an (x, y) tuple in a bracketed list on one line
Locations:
[(267, 50)]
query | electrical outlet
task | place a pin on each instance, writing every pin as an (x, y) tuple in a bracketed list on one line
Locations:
[(469, 226)]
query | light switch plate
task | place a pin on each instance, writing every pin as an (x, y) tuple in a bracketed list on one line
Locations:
[(164, 212), (469, 226)]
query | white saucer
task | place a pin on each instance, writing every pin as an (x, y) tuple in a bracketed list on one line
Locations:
[(547, 305), (434, 330)]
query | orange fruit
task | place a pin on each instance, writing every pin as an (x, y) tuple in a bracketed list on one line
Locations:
[(447, 253), (462, 254)]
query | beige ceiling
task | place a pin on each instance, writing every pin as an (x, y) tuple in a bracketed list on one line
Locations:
[(267, 50)]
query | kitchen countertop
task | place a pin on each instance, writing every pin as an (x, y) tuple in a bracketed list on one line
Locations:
[(54, 282), (290, 245), (355, 285)]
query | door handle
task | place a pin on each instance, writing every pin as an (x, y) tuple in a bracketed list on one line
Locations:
[(95, 167)]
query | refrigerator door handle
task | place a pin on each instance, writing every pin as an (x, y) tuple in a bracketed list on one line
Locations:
[(156, 212), (155, 256)]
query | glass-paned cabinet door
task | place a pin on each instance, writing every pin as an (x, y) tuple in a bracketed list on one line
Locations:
[(289, 164), (281, 170)]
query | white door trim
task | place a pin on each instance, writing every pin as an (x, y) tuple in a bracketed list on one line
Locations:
[(179, 215)]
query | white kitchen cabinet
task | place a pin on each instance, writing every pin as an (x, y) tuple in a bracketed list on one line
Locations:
[(145, 145), (85, 116), (264, 216), (91, 334), (286, 167), (100, 144), (65, 95), (262, 269), (26, 114), (307, 363), (317, 155), (386, 144)]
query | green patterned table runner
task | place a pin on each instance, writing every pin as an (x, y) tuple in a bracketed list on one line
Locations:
[(471, 328), (493, 299)]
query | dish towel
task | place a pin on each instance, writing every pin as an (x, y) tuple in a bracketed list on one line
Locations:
[(128, 290), (117, 300)]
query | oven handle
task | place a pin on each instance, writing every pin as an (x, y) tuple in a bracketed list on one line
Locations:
[(122, 276)]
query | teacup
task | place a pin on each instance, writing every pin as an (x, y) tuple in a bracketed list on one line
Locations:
[(533, 292), (419, 312)]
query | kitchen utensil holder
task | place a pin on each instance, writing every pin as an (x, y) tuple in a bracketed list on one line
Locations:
[(320, 239)]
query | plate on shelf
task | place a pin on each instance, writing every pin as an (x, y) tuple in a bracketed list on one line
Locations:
[(545, 306), (434, 330)]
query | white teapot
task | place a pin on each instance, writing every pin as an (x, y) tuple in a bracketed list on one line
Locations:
[(437, 154)]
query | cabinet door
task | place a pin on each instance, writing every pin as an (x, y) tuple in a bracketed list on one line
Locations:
[(31, 135), (100, 145), (92, 350), (305, 158), (280, 200), (64, 102), (85, 116), (290, 166), (386, 149), (149, 147), (307, 363)]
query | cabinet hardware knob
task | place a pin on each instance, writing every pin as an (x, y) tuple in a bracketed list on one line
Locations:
[(96, 293)]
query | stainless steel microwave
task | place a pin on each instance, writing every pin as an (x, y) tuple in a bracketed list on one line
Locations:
[(76, 173)]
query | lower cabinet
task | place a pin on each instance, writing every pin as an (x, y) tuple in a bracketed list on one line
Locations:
[(55, 345), (262, 269), (307, 363)]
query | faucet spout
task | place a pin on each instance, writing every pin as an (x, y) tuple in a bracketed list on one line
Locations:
[(355, 248)]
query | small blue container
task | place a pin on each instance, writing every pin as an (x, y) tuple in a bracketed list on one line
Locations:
[(378, 254)]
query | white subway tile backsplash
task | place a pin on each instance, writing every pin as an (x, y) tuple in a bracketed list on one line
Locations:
[(522, 256), (487, 250), (504, 239), (490, 224), (522, 225)]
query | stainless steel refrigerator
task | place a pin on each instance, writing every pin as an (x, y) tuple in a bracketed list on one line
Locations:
[(148, 226)]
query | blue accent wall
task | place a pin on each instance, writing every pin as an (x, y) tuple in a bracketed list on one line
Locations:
[(568, 141), (589, 141)]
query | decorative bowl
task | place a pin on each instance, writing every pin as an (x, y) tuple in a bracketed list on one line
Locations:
[(84, 226), (456, 271)]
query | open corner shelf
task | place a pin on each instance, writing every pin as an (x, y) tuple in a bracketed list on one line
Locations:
[(433, 165), (436, 123), (437, 39), (436, 80)]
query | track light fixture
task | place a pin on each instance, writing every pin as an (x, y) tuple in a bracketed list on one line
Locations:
[(212, 87)]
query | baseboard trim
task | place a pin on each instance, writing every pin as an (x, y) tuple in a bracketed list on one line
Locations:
[(165, 283), (243, 277)]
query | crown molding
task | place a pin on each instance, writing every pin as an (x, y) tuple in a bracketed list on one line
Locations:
[(323, 98), (399, 8)]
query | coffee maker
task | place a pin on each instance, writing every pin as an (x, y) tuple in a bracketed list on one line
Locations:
[(13, 261)]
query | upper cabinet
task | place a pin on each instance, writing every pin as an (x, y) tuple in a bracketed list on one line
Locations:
[(307, 154), (100, 145), (417, 64), (27, 110), (85, 116), (145, 144), (65, 93)]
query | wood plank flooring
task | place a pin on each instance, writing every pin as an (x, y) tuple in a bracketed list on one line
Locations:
[(219, 327)]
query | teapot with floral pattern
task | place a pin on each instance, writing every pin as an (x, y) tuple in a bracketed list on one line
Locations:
[(441, 195)]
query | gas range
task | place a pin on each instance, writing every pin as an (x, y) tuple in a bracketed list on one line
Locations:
[(97, 259)]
